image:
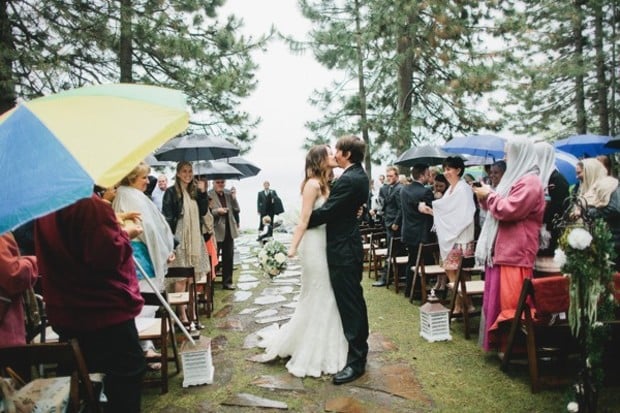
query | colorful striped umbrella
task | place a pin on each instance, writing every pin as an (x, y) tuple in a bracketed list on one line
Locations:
[(54, 148)]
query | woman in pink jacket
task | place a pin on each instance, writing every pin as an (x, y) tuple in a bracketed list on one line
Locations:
[(17, 274), (508, 240)]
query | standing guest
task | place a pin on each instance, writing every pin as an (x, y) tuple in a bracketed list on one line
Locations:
[(183, 206), (225, 228), (556, 190), (508, 241), (606, 161), (416, 226), (266, 204), (154, 247), (454, 222), (496, 171), (92, 294), (440, 186), (392, 214), (158, 193), (17, 274)]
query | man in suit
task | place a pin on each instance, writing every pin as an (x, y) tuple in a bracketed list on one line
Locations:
[(225, 206), (392, 215), (344, 251), (416, 226), (267, 203)]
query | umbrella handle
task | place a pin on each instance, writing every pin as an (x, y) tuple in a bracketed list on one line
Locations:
[(164, 303)]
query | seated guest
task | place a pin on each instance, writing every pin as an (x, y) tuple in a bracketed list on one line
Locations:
[(92, 294), (267, 232), (17, 274)]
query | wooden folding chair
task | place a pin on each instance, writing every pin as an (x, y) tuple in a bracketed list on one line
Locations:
[(160, 331), (547, 334), (426, 267), (25, 360), (188, 297), (398, 258), (470, 291), (378, 252)]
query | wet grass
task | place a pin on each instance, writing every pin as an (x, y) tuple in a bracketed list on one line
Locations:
[(455, 375)]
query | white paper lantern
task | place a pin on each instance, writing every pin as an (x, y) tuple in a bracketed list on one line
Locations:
[(434, 320)]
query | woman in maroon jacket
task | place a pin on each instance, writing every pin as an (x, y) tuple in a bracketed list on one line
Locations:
[(17, 274), (92, 294)]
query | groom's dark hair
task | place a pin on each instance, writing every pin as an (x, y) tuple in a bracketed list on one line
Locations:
[(354, 145)]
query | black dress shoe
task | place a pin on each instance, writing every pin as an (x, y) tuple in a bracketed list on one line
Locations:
[(346, 375), (229, 287), (379, 284)]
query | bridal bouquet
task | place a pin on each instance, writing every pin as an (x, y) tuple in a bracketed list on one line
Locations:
[(272, 258)]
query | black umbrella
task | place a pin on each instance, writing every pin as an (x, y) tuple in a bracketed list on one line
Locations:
[(216, 170), (246, 167), (196, 147), (151, 160), (430, 155), (613, 143)]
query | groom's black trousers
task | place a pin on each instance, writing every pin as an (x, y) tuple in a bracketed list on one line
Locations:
[(352, 307)]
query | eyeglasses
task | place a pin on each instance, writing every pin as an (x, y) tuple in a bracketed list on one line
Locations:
[(219, 182)]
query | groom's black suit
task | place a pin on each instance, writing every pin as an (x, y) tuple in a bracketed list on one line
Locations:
[(345, 258)]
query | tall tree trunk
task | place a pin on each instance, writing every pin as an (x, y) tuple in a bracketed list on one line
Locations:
[(362, 88), (404, 51), (580, 107), (7, 56), (601, 83), (126, 48)]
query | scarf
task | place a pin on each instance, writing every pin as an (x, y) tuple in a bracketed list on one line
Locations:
[(453, 214), (156, 233), (545, 153), (520, 161), (191, 230), (597, 186)]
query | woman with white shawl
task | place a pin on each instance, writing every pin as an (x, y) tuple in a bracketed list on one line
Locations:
[(508, 240), (454, 221), (556, 191), (154, 247)]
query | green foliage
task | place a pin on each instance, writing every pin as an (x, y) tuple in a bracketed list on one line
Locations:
[(589, 252), (422, 79), (175, 43)]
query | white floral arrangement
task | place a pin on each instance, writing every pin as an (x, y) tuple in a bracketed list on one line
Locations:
[(272, 258)]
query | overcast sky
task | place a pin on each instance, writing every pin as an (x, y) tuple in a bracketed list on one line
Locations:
[(285, 81)]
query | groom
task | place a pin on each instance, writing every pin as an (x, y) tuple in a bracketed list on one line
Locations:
[(344, 251)]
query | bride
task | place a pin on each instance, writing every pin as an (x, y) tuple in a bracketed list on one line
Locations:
[(313, 338)]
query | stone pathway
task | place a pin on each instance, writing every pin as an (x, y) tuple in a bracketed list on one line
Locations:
[(256, 308)]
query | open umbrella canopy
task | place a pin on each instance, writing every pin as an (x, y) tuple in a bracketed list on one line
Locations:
[(246, 167), (216, 170), (471, 160), (151, 160), (565, 164), (196, 147), (486, 146), (54, 148), (585, 146), (426, 154)]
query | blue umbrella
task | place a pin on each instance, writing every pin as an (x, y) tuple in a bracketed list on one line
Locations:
[(486, 146), (565, 164), (585, 146)]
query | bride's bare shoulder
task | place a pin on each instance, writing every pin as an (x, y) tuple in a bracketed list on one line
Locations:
[(312, 183)]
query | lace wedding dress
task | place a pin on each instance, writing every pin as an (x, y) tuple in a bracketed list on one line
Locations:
[(313, 338)]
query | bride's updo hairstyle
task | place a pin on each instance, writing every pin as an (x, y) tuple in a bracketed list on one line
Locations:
[(317, 167)]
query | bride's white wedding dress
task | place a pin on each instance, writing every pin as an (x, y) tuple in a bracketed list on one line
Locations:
[(313, 337)]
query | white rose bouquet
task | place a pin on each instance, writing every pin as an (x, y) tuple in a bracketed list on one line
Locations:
[(272, 258)]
